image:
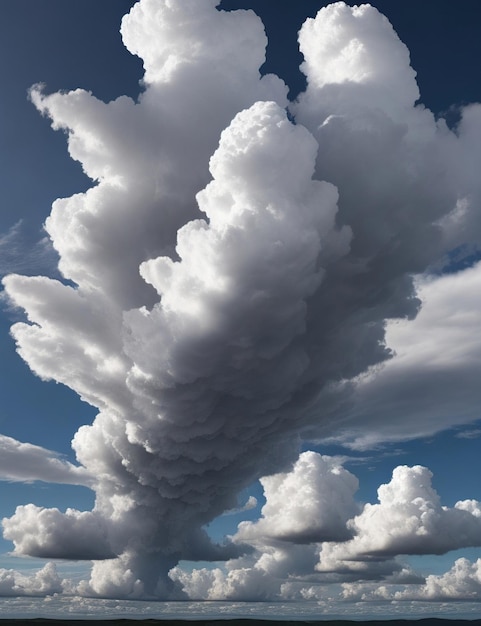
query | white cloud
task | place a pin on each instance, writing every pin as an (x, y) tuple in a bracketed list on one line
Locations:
[(309, 504), (42, 532), (409, 519), (19, 254), (41, 583), (356, 49), (461, 582)]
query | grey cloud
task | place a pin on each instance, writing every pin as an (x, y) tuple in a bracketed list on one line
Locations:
[(430, 383), (25, 462)]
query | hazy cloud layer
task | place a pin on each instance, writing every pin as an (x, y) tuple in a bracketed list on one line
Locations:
[(436, 355), (231, 275)]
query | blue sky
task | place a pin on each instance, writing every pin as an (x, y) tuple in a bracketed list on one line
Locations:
[(368, 414)]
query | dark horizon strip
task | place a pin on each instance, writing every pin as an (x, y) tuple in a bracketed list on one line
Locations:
[(238, 622)]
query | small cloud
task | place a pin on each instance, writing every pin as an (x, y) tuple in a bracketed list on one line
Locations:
[(248, 506), (25, 462), (73, 535), (19, 254), (474, 433), (44, 582)]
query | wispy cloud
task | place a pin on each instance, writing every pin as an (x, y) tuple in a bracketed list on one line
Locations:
[(472, 433), (25, 462), (430, 383), (19, 254)]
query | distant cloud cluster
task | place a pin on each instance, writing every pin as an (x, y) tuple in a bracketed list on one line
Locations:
[(409, 519), (233, 286), (44, 582), (292, 564)]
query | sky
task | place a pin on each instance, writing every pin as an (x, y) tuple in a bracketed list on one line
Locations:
[(240, 318)]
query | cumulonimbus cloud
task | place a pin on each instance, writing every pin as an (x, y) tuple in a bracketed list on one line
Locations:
[(229, 275)]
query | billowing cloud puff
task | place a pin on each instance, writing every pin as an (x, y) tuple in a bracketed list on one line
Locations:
[(71, 535), (152, 156), (409, 519), (226, 284), (310, 504), (43, 582), (361, 53), (461, 582)]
